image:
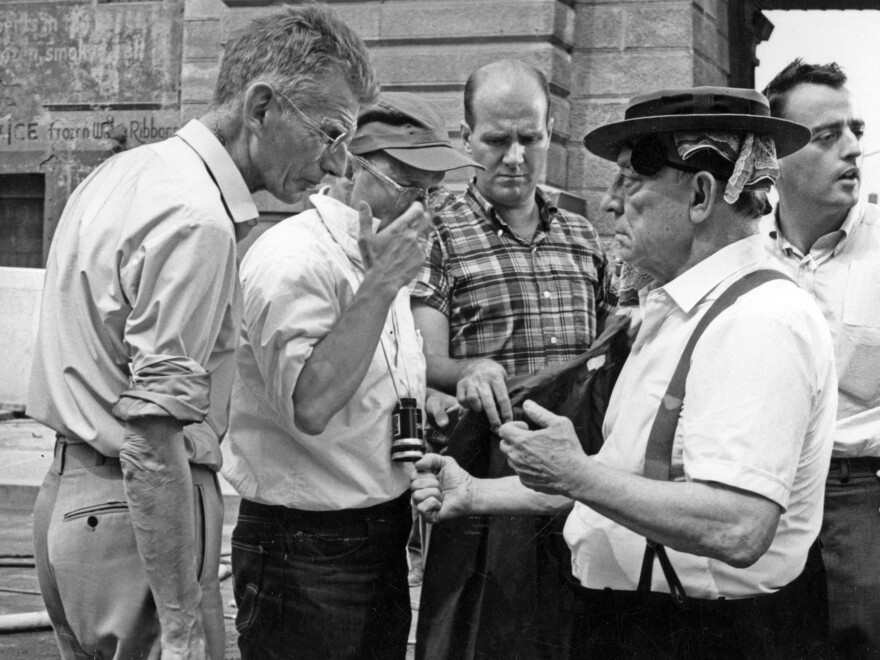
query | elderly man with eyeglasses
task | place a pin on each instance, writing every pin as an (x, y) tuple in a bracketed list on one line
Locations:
[(329, 352), (134, 358)]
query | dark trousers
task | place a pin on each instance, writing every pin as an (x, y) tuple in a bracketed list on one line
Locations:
[(790, 624), (850, 539), (325, 585)]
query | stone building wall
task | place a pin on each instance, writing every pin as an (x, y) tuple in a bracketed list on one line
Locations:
[(78, 81), (626, 48), (82, 79)]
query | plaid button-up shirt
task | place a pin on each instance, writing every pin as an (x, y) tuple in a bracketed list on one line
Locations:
[(523, 304)]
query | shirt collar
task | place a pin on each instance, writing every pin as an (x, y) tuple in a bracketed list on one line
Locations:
[(546, 208), (697, 282), (343, 223), (770, 226), (224, 171)]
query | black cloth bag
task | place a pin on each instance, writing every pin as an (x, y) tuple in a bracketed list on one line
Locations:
[(501, 586)]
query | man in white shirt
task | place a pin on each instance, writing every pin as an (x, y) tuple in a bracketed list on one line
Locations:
[(329, 353), (133, 362), (736, 505), (829, 243)]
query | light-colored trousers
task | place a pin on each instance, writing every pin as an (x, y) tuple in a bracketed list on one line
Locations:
[(91, 575)]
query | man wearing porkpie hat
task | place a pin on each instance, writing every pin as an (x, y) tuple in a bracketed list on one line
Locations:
[(721, 465), (329, 350)]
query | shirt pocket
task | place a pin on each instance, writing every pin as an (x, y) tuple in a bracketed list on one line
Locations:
[(859, 345)]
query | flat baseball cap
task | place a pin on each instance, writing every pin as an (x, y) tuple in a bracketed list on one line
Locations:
[(410, 129)]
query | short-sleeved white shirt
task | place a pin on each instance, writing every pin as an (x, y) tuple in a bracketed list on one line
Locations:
[(758, 415), (297, 279)]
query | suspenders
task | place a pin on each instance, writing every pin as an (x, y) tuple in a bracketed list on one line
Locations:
[(658, 453)]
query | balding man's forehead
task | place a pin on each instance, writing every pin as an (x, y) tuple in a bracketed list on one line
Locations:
[(512, 102)]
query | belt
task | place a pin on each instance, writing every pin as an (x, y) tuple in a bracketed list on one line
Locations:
[(75, 455), (861, 466), (398, 506)]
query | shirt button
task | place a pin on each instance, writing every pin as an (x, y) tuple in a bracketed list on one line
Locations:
[(546, 294), (553, 340)]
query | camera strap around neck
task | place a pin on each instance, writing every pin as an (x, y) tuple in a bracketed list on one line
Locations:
[(658, 453), (355, 279)]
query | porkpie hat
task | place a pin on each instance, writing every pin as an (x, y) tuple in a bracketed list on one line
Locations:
[(410, 129), (697, 109)]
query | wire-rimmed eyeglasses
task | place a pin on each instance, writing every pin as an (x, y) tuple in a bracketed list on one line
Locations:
[(405, 195), (333, 144)]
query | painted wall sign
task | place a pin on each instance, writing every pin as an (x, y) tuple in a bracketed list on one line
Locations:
[(87, 131), (87, 53)]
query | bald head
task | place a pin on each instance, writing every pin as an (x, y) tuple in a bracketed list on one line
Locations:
[(504, 76)]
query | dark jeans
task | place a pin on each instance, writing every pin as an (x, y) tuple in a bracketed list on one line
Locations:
[(322, 585), (790, 624), (850, 539)]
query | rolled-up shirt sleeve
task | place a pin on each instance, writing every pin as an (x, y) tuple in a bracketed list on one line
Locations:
[(179, 283), (291, 303)]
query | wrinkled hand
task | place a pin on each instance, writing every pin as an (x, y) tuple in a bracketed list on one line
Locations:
[(394, 255), (483, 387), (441, 489), (440, 407), (549, 460)]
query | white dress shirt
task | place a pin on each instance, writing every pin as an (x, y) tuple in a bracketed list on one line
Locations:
[(141, 302), (842, 274)]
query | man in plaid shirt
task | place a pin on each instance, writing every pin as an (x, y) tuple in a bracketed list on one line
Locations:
[(511, 284)]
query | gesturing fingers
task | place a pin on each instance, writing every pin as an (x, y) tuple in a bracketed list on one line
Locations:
[(541, 416)]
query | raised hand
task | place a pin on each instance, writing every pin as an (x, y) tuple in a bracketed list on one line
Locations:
[(393, 256)]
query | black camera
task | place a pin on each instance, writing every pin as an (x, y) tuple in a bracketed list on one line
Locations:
[(407, 433)]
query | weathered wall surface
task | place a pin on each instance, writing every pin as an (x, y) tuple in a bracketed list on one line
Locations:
[(80, 80)]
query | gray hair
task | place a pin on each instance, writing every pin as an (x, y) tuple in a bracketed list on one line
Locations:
[(295, 50)]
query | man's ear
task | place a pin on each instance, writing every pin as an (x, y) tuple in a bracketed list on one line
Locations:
[(550, 128), (703, 193), (466, 135), (256, 108)]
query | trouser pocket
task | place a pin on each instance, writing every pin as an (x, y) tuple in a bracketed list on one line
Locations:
[(247, 567)]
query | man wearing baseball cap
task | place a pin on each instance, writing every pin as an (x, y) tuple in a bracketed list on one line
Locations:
[(693, 528), (329, 351)]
